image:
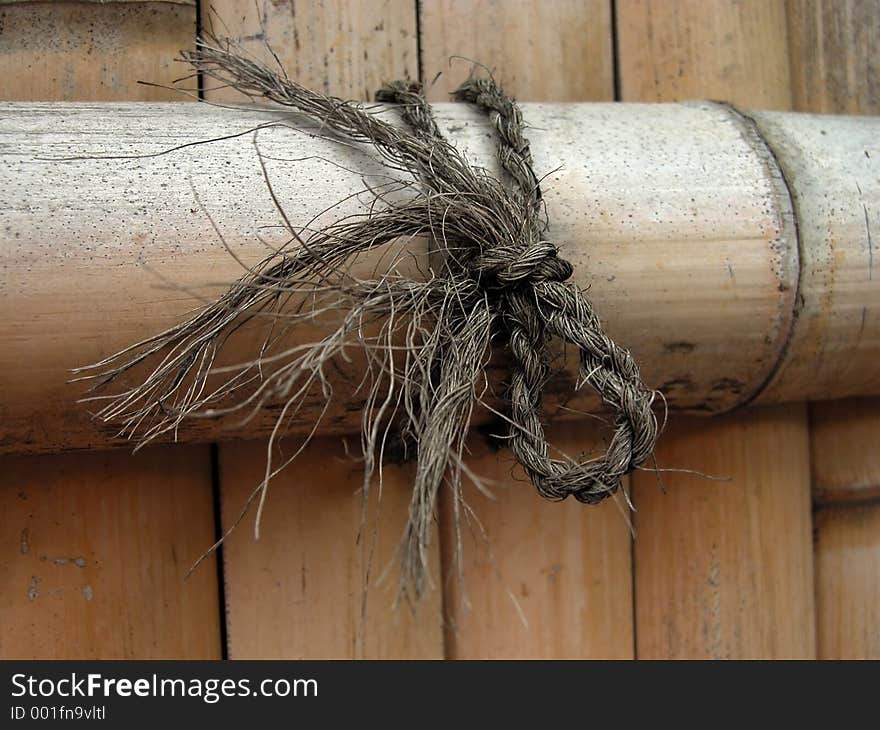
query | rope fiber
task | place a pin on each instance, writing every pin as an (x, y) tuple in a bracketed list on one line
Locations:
[(501, 284)]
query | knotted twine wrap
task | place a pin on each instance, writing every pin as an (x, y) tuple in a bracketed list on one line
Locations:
[(500, 278)]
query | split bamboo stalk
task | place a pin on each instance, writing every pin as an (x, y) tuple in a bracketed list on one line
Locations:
[(724, 570), (843, 448), (848, 592), (94, 547), (51, 49), (540, 580), (675, 216), (297, 591), (721, 570), (538, 51), (704, 49)]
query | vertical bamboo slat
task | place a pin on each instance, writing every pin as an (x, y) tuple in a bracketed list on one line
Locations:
[(835, 68), (724, 569), (541, 51), (348, 49), (92, 51), (843, 448), (297, 591), (548, 580), (94, 547), (540, 579), (720, 570), (703, 49), (848, 590)]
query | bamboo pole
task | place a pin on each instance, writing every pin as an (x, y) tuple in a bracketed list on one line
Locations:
[(835, 50), (687, 246), (94, 547), (297, 592), (832, 338), (721, 570)]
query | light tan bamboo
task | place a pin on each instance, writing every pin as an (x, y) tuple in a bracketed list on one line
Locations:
[(575, 62), (539, 579), (848, 592), (844, 456), (716, 49), (95, 550), (674, 216), (297, 592)]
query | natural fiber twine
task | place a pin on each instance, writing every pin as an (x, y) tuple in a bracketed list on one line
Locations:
[(501, 284)]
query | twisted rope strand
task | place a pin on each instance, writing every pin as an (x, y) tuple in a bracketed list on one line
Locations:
[(535, 303)]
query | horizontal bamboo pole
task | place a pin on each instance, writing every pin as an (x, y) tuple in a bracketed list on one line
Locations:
[(675, 216)]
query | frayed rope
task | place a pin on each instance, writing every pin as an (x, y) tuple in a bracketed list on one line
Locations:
[(500, 280)]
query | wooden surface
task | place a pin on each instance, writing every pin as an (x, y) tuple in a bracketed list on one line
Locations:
[(75, 51), (540, 579), (721, 570), (307, 568), (835, 67), (347, 49), (298, 591), (724, 570), (843, 450), (835, 47), (848, 589), (539, 51), (94, 550), (703, 297), (704, 49), (94, 547)]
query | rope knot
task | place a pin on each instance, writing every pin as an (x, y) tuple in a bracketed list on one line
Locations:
[(501, 281), (502, 267)]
